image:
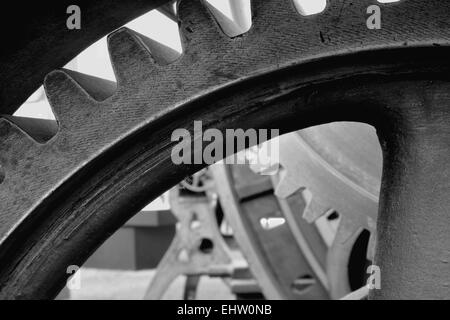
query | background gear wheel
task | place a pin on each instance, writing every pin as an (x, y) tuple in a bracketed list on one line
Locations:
[(282, 268), (338, 169)]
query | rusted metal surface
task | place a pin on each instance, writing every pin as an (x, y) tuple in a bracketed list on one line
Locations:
[(287, 71)]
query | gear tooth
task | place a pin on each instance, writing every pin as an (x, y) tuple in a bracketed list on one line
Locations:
[(314, 208), (130, 55), (59, 85), (12, 141), (66, 89), (286, 187), (125, 42), (198, 27), (265, 13), (96, 88)]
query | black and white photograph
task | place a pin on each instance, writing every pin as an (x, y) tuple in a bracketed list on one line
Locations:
[(225, 154)]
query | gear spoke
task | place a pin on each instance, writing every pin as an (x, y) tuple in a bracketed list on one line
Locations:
[(415, 195)]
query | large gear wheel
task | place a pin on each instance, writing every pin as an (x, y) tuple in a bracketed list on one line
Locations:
[(63, 192)]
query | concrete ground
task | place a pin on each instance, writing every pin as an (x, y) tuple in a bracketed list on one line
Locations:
[(101, 284)]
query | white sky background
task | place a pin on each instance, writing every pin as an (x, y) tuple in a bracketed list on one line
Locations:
[(95, 59)]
